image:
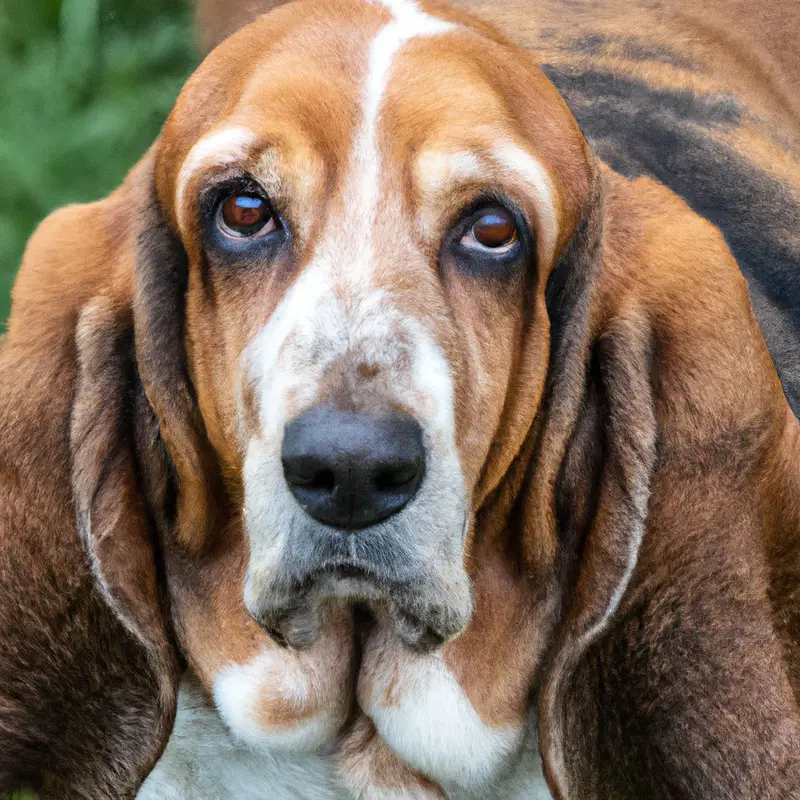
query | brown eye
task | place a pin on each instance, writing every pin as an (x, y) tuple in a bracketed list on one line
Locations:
[(245, 215), (494, 230)]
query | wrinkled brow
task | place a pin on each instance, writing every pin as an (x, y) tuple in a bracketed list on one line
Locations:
[(439, 170), (219, 148)]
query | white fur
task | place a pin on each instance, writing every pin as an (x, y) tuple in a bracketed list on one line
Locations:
[(202, 761), (519, 161), (239, 688), (431, 724), (218, 148)]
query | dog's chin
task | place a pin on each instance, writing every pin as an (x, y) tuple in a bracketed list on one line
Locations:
[(421, 618)]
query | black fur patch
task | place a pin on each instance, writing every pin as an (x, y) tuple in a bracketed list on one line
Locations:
[(635, 49), (669, 135)]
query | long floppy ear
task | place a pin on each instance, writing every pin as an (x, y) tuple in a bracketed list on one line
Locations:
[(88, 675), (160, 281), (602, 497), (110, 458), (665, 678)]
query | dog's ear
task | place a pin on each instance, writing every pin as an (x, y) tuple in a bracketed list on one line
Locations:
[(602, 497), (665, 677), (88, 674), (120, 488), (115, 519), (160, 281)]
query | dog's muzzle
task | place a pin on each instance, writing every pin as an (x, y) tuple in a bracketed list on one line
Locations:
[(365, 513)]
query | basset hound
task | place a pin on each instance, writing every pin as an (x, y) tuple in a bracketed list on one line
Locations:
[(388, 434)]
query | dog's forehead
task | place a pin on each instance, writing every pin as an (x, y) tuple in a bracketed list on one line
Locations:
[(309, 75)]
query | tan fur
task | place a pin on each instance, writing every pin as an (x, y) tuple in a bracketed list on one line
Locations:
[(628, 447)]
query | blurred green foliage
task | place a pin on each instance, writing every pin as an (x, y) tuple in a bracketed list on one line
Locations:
[(84, 88)]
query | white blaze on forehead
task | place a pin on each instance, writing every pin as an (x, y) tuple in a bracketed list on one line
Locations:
[(408, 23), (524, 165), (361, 315), (219, 148)]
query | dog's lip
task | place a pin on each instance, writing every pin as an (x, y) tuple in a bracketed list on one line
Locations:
[(353, 581), (353, 569), (346, 570), (356, 584)]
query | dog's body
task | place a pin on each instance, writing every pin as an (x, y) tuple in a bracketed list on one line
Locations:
[(610, 512)]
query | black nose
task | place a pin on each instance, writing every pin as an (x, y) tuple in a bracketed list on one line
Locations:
[(350, 469)]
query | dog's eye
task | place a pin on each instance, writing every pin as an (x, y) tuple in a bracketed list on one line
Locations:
[(245, 215), (494, 230)]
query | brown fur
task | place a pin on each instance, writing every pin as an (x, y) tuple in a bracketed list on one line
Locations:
[(88, 696), (368, 764), (630, 395)]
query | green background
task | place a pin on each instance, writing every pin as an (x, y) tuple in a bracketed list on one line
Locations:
[(84, 88)]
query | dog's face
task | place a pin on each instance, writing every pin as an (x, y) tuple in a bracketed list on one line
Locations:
[(322, 295), (370, 198)]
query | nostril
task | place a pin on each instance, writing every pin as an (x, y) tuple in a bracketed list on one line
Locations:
[(324, 480), (309, 474), (397, 476)]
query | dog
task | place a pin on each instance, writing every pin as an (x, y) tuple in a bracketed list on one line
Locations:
[(378, 439)]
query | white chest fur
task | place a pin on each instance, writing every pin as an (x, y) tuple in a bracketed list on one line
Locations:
[(202, 761), (422, 712)]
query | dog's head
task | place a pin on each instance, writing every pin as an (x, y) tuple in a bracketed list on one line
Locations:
[(370, 350), (369, 200), (318, 340)]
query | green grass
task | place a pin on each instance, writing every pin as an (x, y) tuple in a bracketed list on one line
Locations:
[(84, 88)]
